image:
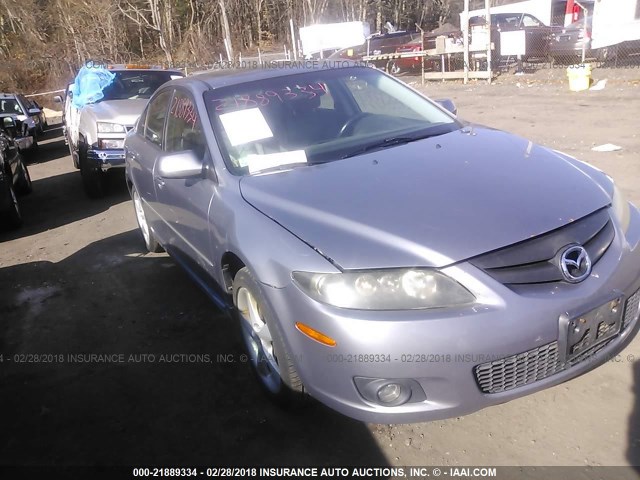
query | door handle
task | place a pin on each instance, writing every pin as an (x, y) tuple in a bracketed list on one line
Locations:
[(159, 182)]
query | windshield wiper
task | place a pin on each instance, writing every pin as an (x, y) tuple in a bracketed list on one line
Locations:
[(389, 142)]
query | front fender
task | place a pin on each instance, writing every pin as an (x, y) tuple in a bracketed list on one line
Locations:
[(87, 127), (270, 251)]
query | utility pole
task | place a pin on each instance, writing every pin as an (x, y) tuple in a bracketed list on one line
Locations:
[(226, 29)]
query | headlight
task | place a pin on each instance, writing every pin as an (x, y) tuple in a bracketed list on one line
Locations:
[(620, 208), (110, 143), (397, 289), (104, 127)]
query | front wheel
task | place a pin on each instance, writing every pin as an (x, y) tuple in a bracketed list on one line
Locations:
[(12, 215), (393, 68), (268, 356), (93, 179), (147, 235), (24, 185)]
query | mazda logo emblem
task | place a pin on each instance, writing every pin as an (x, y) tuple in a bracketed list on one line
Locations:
[(575, 264)]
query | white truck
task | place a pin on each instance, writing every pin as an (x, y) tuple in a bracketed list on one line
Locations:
[(95, 131)]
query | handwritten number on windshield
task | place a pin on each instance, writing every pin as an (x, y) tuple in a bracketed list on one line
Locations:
[(263, 99)]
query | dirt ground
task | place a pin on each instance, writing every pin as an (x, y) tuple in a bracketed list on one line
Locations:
[(75, 280)]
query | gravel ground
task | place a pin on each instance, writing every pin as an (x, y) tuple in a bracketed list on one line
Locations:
[(75, 280)]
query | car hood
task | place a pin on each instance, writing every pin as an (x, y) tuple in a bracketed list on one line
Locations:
[(428, 203), (124, 112)]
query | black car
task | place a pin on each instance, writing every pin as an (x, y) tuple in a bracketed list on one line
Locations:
[(537, 34), (14, 175)]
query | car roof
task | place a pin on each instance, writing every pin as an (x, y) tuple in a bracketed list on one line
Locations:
[(8, 95), (233, 76)]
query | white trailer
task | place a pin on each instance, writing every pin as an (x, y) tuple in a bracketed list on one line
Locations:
[(614, 22), (332, 36)]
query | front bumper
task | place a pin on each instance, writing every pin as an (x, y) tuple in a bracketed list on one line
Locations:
[(106, 159), (440, 349)]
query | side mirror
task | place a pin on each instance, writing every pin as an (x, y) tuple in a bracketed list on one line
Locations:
[(448, 105), (180, 165), (34, 111), (57, 99)]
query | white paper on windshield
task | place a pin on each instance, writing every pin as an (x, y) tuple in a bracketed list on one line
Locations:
[(257, 163), (244, 126)]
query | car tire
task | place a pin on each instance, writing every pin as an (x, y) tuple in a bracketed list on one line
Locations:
[(92, 178), (24, 184), (607, 54), (147, 235), (269, 359), (12, 216), (34, 146), (393, 68)]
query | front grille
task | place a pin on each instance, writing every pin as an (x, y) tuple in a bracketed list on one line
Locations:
[(518, 370), (631, 309), (535, 260)]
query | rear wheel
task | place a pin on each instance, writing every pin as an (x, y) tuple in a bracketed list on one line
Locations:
[(267, 354), (147, 235)]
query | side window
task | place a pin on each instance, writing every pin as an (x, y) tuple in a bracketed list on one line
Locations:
[(529, 21), (184, 129), (141, 121), (156, 113)]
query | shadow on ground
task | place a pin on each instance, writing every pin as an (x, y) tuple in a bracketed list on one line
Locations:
[(51, 146), (200, 405), (59, 200)]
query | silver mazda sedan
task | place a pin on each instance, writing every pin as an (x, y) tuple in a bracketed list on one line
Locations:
[(377, 253)]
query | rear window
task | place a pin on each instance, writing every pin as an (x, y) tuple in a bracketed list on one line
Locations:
[(131, 84)]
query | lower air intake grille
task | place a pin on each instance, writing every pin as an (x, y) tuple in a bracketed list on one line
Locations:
[(541, 362), (518, 370), (631, 309)]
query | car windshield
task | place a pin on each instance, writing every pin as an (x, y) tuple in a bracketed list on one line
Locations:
[(317, 117), (132, 84), (10, 105)]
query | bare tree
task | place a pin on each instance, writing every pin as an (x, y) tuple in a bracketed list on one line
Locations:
[(153, 16)]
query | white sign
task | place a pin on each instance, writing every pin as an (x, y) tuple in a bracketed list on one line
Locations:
[(244, 126), (332, 36), (257, 163), (513, 43)]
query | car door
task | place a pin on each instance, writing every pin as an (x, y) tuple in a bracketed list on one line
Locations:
[(71, 118), (537, 34), (10, 152), (184, 203), (142, 151), (29, 110)]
